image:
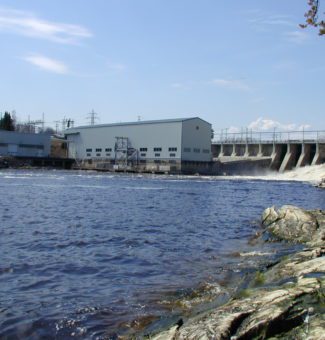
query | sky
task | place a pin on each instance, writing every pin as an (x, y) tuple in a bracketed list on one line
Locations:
[(233, 63)]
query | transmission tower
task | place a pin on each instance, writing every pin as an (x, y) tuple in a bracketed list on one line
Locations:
[(92, 116), (67, 123)]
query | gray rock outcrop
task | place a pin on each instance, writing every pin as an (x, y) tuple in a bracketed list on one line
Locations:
[(295, 225), (288, 302)]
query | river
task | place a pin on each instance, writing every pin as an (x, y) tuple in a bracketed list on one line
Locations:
[(84, 254)]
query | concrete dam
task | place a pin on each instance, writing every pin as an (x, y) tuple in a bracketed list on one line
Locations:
[(276, 151)]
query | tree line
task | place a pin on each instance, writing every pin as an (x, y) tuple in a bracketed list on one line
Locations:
[(8, 122)]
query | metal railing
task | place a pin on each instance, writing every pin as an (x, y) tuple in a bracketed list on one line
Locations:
[(250, 136)]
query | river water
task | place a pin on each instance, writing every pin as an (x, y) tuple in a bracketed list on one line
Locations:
[(84, 254)]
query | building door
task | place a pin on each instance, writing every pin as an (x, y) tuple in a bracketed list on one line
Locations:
[(72, 150)]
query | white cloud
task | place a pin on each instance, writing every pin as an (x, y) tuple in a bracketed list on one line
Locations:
[(263, 19), (232, 84), (28, 24), (297, 37), (47, 64), (264, 124), (233, 129)]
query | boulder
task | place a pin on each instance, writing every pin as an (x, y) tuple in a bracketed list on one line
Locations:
[(286, 302), (294, 224), (292, 308)]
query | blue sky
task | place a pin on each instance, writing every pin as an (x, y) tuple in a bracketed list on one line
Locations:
[(233, 63)]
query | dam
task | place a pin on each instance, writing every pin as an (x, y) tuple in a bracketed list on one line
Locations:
[(277, 151)]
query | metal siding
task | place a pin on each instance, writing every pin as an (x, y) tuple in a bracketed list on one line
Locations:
[(16, 138), (193, 138), (151, 135)]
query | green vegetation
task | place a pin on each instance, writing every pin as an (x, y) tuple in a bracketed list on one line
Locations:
[(259, 278), (7, 122), (245, 293)]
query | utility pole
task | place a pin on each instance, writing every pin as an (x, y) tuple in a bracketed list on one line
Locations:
[(56, 126)]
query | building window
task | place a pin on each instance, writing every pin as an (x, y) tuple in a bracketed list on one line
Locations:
[(157, 161), (172, 149), (98, 154), (197, 127), (196, 150), (157, 154), (172, 161), (143, 161), (31, 146), (143, 154), (98, 150), (187, 149), (157, 149), (89, 150), (108, 149), (172, 155), (88, 154), (143, 149), (108, 154), (206, 151)]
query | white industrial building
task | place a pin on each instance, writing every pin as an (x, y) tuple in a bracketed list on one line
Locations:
[(19, 144), (170, 145)]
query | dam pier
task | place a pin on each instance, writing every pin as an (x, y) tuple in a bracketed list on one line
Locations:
[(276, 151)]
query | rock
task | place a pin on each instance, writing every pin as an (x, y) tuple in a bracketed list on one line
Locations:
[(292, 310), (289, 303), (263, 315), (166, 335), (294, 224)]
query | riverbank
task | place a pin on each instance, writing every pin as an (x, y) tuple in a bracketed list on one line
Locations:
[(285, 300)]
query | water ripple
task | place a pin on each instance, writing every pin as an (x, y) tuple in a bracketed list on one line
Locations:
[(83, 254)]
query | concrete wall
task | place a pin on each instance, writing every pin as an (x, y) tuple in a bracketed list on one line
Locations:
[(284, 156), (244, 167), (291, 157), (319, 156), (239, 149)]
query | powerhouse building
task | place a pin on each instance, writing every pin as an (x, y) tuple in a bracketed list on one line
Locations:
[(170, 145), (24, 144)]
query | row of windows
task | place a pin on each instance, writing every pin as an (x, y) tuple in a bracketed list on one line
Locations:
[(157, 149), (158, 161), (142, 155), (27, 146), (196, 150), (99, 150), (158, 155)]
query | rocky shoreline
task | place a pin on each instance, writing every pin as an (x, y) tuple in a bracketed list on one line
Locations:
[(286, 300)]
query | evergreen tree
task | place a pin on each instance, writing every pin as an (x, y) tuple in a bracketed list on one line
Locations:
[(7, 123)]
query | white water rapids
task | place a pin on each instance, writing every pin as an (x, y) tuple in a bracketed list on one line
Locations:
[(312, 173)]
